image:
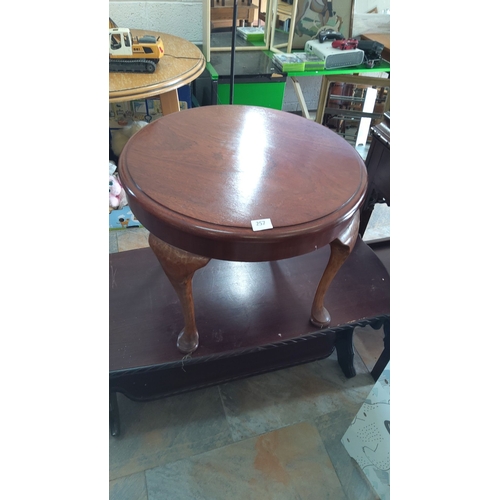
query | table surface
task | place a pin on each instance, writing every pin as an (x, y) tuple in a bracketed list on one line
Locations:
[(244, 305), (382, 66), (249, 66), (197, 179), (181, 64)]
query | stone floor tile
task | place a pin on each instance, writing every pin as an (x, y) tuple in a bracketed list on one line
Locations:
[(273, 400), (288, 464), (132, 238), (113, 242), (379, 225), (369, 343), (157, 432), (131, 487)]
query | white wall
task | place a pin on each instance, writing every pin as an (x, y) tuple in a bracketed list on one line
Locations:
[(310, 86), (182, 18), (365, 6)]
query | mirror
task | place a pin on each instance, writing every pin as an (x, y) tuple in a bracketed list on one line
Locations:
[(291, 23), (304, 19), (282, 25), (261, 15), (218, 18)]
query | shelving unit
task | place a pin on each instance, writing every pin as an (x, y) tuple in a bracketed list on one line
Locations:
[(343, 102), (352, 108)]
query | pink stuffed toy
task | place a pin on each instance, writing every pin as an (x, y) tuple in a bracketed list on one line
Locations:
[(117, 197)]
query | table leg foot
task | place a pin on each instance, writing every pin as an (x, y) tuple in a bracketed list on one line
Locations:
[(114, 416), (180, 266), (187, 342), (340, 248)]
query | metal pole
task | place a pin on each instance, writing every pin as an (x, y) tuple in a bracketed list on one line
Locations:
[(233, 41)]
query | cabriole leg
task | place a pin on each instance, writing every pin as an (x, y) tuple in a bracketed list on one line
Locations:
[(180, 266), (114, 415), (340, 248)]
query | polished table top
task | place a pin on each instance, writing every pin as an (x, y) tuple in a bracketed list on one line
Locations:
[(196, 179), (181, 64)]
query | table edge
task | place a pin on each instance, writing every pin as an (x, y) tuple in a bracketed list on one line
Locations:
[(159, 88)]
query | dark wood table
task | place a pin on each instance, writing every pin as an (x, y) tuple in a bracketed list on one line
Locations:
[(202, 180), (254, 318)]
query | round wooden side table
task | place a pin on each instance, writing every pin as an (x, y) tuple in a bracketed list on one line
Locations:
[(209, 182), (181, 64)]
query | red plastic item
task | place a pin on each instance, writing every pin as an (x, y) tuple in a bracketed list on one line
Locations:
[(349, 44)]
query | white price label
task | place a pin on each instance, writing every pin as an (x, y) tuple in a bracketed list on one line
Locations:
[(261, 224)]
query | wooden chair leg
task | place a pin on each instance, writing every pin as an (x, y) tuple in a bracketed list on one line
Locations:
[(386, 353), (345, 352)]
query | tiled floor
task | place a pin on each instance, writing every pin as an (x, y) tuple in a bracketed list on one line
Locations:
[(274, 436)]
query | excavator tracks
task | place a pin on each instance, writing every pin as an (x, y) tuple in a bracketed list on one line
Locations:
[(132, 66)]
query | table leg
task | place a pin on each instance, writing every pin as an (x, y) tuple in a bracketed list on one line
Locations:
[(340, 248), (345, 352), (180, 266), (169, 102), (386, 353), (114, 416)]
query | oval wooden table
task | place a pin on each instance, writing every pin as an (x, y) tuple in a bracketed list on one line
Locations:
[(197, 179), (181, 64)]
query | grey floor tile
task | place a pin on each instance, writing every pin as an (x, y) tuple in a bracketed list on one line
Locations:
[(287, 464), (369, 343), (131, 487), (132, 238), (113, 242), (270, 401), (332, 427), (166, 430), (379, 225)]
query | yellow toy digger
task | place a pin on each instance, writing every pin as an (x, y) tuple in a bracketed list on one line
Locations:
[(132, 54)]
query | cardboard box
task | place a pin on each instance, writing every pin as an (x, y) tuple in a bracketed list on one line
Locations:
[(367, 438), (122, 219), (122, 114)]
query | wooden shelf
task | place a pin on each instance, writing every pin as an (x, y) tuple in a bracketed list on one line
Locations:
[(222, 16)]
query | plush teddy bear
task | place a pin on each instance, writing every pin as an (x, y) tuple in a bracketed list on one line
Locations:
[(117, 197), (120, 137)]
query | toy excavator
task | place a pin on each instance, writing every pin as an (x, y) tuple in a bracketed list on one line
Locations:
[(132, 54)]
